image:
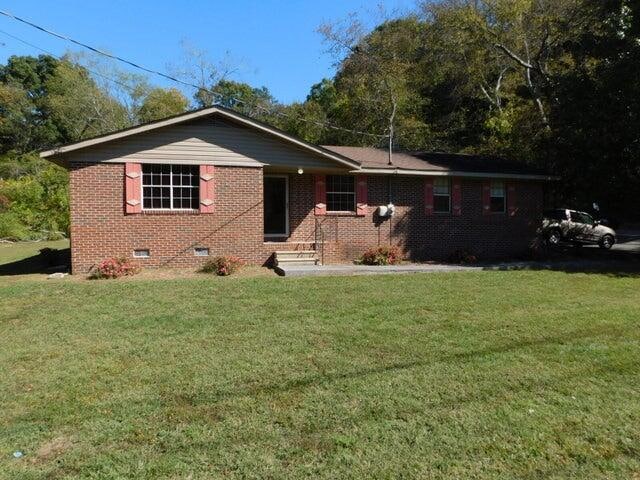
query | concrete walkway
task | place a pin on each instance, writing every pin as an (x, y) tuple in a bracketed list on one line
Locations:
[(574, 265), (314, 270)]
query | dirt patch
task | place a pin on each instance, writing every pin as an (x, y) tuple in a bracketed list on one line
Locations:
[(52, 449)]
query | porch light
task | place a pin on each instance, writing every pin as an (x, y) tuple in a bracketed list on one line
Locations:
[(300, 171)]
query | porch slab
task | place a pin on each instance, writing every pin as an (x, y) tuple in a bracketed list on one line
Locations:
[(316, 270)]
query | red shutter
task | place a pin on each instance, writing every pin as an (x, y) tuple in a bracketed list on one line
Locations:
[(320, 195), (133, 188), (511, 199), (456, 196), (207, 188), (361, 195), (428, 196), (486, 197)]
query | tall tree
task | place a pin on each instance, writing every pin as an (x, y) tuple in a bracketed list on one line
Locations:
[(160, 103)]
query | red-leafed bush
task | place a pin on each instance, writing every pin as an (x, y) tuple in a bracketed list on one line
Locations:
[(384, 255), (223, 265), (462, 256), (113, 268)]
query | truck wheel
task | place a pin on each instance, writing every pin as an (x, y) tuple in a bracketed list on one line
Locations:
[(606, 242), (554, 237)]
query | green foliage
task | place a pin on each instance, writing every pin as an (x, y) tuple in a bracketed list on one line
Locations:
[(12, 227), (44, 102), (161, 103), (252, 101), (35, 199), (550, 83)]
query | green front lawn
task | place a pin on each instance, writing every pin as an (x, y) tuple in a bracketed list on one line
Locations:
[(460, 375)]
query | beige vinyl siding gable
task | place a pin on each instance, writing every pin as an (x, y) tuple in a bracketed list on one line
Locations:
[(209, 140)]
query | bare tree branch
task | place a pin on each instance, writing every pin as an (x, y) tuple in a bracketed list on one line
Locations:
[(513, 56)]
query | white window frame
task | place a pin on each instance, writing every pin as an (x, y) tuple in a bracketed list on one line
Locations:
[(355, 199), (448, 195), (504, 196), (171, 207)]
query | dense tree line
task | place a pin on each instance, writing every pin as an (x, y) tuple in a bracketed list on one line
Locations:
[(554, 83)]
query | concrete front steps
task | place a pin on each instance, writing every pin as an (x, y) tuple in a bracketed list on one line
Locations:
[(295, 257)]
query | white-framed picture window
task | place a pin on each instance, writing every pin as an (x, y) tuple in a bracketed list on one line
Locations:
[(170, 187)]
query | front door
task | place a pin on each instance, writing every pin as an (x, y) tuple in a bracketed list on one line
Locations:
[(276, 206)]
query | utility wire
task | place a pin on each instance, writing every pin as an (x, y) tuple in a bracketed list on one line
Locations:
[(174, 79), (101, 75)]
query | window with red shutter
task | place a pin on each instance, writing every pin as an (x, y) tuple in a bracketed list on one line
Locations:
[(320, 183), (133, 188), (207, 186), (512, 207), (361, 195), (456, 196), (428, 196), (486, 197)]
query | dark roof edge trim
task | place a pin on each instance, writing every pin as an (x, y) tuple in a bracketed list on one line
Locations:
[(452, 173)]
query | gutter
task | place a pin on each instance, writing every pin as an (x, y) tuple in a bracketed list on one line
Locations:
[(450, 173)]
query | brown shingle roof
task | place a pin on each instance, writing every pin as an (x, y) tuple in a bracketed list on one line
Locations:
[(433, 161)]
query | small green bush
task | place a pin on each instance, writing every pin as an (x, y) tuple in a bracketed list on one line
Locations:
[(383, 255), (223, 265)]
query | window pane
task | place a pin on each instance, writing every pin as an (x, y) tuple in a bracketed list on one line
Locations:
[(497, 189), (340, 202), (340, 184), (441, 203), (497, 204), (157, 181), (441, 186)]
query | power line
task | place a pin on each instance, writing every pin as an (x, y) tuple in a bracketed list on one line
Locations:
[(101, 75), (174, 79)]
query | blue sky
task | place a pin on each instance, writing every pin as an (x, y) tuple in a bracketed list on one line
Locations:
[(271, 43)]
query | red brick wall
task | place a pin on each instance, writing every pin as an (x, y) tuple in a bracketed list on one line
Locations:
[(100, 229), (421, 237)]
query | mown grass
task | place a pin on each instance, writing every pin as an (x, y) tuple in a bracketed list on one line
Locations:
[(461, 375), (11, 252)]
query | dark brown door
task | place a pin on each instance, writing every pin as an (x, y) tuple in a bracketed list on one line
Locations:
[(276, 206)]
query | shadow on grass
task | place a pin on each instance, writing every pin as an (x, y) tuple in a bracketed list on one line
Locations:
[(48, 260), (315, 380)]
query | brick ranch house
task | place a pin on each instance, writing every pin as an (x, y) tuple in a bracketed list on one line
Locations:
[(213, 182)]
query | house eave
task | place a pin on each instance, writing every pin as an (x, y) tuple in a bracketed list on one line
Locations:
[(452, 173)]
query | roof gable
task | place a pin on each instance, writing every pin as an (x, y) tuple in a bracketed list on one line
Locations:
[(274, 133)]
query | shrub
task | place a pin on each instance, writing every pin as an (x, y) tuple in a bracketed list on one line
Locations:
[(462, 256), (113, 268), (12, 228), (223, 265), (384, 255)]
